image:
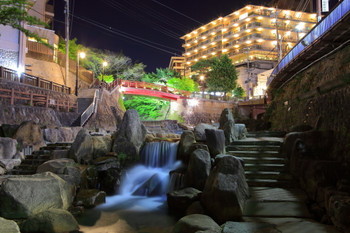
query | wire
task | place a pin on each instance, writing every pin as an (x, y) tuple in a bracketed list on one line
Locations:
[(177, 12), (71, 20)]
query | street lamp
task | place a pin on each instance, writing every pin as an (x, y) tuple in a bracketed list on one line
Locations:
[(79, 55), (104, 64)]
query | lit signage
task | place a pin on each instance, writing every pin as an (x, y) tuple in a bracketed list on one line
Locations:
[(325, 5)]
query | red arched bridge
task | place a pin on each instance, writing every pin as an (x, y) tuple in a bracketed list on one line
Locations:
[(143, 88)]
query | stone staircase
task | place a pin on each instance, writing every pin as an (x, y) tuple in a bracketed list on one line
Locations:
[(31, 162), (264, 164)]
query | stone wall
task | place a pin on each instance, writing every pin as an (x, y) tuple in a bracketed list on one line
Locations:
[(204, 111), (8, 58), (320, 92)]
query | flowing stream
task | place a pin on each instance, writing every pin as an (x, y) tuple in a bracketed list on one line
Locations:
[(141, 204)]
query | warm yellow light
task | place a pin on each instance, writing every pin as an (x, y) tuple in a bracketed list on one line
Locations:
[(274, 42), (204, 37), (260, 40), (213, 43), (224, 30), (236, 13), (195, 32), (214, 23), (247, 19), (203, 28), (196, 41), (286, 12), (188, 45), (104, 64), (201, 77), (249, 30), (188, 35), (220, 18), (188, 54), (273, 20), (196, 50), (82, 55), (288, 33), (287, 21), (235, 25), (313, 16), (298, 14), (224, 40), (213, 33), (248, 41), (196, 59), (274, 31), (204, 56), (224, 50), (260, 17), (248, 7), (235, 35), (213, 53), (204, 47), (260, 29), (236, 46), (188, 63)]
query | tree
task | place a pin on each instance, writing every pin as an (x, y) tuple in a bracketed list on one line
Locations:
[(161, 76), (239, 92), (185, 84), (149, 108), (14, 12)]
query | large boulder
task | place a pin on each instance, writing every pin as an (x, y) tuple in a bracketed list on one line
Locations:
[(53, 221), (198, 169), (180, 200), (9, 164), (8, 148), (226, 190), (90, 197), (185, 144), (23, 196), (240, 131), (102, 145), (226, 116), (82, 148), (215, 141), (64, 168), (7, 130), (29, 134), (131, 135), (339, 211), (8, 226), (61, 134), (199, 131), (230, 132), (196, 223)]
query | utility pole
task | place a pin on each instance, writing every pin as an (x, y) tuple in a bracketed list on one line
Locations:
[(319, 11), (278, 45), (66, 11)]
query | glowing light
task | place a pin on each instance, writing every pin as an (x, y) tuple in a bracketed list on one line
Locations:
[(213, 33), (302, 35), (248, 41), (213, 53), (249, 30), (248, 7), (188, 35), (287, 21), (203, 28), (201, 77), (188, 45), (298, 14), (204, 37), (82, 55), (224, 30), (235, 25), (260, 40), (248, 19), (195, 32), (188, 54), (188, 63), (273, 20), (274, 42), (204, 56), (204, 47), (196, 59), (213, 43), (236, 13), (260, 17), (196, 41), (236, 46), (193, 102), (313, 16), (286, 12), (220, 18), (224, 40), (214, 23), (235, 35), (300, 26), (104, 64), (196, 50), (20, 70), (288, 33), (260, 29), (224, 50)]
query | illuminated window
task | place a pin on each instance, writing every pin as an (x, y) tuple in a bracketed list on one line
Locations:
[(243, 16)]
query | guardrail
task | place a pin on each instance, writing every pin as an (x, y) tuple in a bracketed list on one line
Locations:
[(12, 75), (90, 110), (38, 100), (318, 31)]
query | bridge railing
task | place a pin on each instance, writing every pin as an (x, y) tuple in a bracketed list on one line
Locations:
[(317, 32), (152, 86)]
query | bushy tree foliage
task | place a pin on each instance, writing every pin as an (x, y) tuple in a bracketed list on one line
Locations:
[(13, 12), (239, 92), (183, 83), (149, 108), (161, 76)]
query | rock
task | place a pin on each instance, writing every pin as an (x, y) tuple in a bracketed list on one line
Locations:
[(240, 131), (51, 135), (109, 174), (29, 134), (8, 226), (53, 221), (2, 170), (90, 197), (196, 146), (59, 154), (9, 164), (61, 134), (185, 144), (221, 156), (102, 145), (226, 116), (82, 148), (152, 187), (199, 131), (184, 126), (226, 190), (180, 200), (37, 193), (249, 227), (196, 223), (64, 168), (130, 136), (89, 177), (215, 141), (300, 128), (339, 211), (8, 148), (198, 169), (195, 208), (229, 129)]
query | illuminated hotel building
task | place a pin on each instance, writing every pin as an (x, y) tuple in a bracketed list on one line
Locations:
[(254, 37)]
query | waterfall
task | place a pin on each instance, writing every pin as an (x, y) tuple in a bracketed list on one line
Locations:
[(151, 177)]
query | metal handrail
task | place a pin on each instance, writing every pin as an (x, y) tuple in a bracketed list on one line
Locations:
[(90, 110)]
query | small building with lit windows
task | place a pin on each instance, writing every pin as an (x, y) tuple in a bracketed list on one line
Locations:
[(254, 37), (178, 64)]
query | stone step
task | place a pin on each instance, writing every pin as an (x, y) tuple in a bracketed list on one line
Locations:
[(38, 156), (59, 144), (264, 167), (42, 152), (34, 161), (268, 175), (51, 148), (255, 142), (278, 134), (270, 183), (256, 154), (16, 171), (254, 147), (263, 160)]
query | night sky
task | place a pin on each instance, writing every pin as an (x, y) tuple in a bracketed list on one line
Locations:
[(158, 23)]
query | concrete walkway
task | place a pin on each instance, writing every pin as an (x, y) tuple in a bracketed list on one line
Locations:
[(276, 209)]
